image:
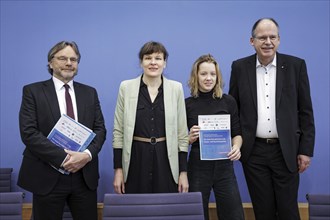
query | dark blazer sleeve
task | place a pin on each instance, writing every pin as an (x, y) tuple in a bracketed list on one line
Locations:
[(90, 115), (99, 128), (295, 111), (305, 114)]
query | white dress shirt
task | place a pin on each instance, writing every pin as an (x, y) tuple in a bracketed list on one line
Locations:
[(60, 92), (266, 96)]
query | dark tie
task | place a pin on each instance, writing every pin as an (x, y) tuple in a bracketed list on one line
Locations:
[(69, 107)]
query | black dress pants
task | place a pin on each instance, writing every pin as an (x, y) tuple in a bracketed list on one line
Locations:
[(272, 187), (70, 189)]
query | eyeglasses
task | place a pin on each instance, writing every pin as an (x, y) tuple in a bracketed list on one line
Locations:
[(63, 59), (265, 38)]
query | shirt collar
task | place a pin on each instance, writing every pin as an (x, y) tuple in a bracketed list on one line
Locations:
[(273, 63), (59, 84)]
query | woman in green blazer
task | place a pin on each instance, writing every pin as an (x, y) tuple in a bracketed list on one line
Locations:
[(150, 138)]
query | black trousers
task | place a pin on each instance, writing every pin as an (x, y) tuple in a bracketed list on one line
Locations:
[(219, 176), (272, 187), (70, 189)]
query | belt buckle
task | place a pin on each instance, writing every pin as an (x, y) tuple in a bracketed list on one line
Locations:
[(270, 141), (153, 140)]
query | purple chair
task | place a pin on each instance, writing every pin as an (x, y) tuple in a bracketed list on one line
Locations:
[(156, 206), (5, 179), (11, 204), (318, 206), (67, 213)]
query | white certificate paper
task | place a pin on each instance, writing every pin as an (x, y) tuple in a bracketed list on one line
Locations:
[(214, 136)]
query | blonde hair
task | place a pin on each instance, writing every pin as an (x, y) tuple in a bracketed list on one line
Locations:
[(193, 81)]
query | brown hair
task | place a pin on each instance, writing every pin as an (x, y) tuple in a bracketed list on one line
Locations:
[(152, 47)]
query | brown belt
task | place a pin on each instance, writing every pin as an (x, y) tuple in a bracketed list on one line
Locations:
[(152, 140)]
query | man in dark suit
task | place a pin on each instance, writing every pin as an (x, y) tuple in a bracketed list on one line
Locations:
[(42, 106), (273, 95)]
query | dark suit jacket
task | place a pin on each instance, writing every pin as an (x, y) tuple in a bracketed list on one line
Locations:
[(38, 114), (294, 113)]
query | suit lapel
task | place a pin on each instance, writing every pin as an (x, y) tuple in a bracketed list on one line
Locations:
[(280, 71), (252, 76), (135, 89), (50, 93), (131, 101), (167, 96)]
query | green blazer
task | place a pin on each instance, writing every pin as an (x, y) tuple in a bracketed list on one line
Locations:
[(175, 121)]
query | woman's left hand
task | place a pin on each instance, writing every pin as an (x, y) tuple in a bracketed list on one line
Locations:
[(183, 182)]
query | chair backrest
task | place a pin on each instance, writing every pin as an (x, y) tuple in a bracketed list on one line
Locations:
[(318, 206), (67, 213), (11, 204), (5, 179), (158, 206)]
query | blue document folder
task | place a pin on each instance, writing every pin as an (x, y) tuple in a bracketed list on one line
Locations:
[(71, 135), (214, 144)]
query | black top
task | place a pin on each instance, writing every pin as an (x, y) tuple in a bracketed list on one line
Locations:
[(205, 104), (150, 116)]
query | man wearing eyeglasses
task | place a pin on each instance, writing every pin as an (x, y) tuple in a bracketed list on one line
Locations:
[(273, 96), (43, 103)]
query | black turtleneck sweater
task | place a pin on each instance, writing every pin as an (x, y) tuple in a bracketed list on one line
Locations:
[(205, 104)]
